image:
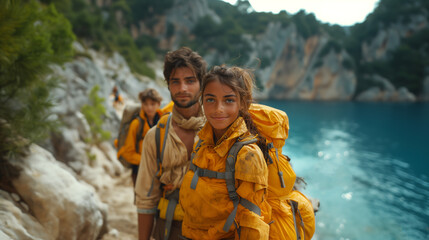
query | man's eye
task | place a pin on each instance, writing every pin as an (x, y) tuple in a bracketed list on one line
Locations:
[(191, 81)]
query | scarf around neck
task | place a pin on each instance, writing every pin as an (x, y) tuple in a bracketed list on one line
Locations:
[(193, 123)]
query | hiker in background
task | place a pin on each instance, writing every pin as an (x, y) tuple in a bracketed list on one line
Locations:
[(210, 213), (117, 98), (165, 161), (148, 117)]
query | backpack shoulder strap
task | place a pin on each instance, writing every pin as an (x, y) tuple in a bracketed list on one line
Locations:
[(230, 184), (163, 125)]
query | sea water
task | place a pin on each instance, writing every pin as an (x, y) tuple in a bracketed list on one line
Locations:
[(367, 163)]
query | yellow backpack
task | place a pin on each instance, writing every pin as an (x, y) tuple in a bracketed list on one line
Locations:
[(292, 213)]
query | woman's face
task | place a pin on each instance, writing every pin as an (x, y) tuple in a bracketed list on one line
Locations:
[(221, 106)]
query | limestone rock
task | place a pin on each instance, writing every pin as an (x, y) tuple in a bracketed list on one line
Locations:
[(17, 223), (65, 207), (70, 149), (300, 72), (372, 94), (405, 96), (389, 37), (386, 92)]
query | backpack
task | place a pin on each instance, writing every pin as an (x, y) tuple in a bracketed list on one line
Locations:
[(131, 112), (292, 212)]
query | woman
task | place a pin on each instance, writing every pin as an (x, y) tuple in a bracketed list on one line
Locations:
[(210, 212)]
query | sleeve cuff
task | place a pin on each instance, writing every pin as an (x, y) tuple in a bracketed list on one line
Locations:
[(147, 211)]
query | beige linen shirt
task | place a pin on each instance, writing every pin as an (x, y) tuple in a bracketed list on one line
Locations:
[(175, 165)]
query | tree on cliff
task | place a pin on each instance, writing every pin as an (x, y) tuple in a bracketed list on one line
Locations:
[(32, 36)]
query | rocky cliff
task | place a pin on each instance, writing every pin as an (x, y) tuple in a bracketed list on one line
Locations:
[(57, 193), (297, 67), (299, 71)]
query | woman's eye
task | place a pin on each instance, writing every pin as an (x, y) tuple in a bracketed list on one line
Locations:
[(230, 100), (209, 100)]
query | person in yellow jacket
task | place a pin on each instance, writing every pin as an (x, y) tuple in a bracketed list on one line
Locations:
[(226, 95), (149, 115)]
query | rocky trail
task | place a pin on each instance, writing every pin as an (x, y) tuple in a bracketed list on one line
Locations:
[(119, 196), (122, 215)]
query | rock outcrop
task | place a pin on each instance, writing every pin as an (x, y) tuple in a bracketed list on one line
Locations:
[(386, 93), (50, 202), (389, 38), (300, 72)]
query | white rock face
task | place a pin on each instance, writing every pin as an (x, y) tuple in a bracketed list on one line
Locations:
[(300, 72), (388, 92), (70, 149), (16, 222), (388, 39), (65, 207)]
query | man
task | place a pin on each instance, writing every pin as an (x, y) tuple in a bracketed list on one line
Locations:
[(183, 71)]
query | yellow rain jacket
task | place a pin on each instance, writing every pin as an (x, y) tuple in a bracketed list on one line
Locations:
[(129, 151), (208, 206)]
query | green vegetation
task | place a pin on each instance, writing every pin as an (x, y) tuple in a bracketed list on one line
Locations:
[(107, 27), (225, 38), (94, 114), (331, 45), (32, 36), (307, 25)]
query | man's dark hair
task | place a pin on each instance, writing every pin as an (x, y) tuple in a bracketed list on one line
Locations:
[(184, 57)]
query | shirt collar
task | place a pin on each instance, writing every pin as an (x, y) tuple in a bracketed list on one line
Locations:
[(235, 130)]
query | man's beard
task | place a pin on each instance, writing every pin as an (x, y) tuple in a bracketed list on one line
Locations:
[(187, 105)]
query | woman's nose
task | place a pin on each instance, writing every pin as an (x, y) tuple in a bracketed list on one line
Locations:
[(219, 107)]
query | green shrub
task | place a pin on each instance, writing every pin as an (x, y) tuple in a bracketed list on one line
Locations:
[(348, 64), (94, 114), (330, 45), (148, 54), (31, 38)]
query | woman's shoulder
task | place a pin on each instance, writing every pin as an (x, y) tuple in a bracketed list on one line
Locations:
[(251, 152), (250, 164)]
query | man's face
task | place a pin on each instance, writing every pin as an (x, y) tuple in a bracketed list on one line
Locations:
[(150, 106), (184, 87)]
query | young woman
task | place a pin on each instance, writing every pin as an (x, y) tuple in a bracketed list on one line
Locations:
[(210, 212)]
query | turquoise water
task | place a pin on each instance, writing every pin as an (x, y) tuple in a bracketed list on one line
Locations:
[(367, 163)]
